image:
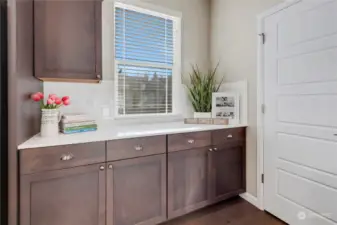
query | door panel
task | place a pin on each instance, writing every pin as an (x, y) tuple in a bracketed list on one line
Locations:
[(307, 109), (300, 90), (64, 197), (295, 148), (188, 181), (136, 192), (311, 67), (325, 204), (307, 22)]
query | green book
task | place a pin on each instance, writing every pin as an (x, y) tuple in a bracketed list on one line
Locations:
[(79, 127)]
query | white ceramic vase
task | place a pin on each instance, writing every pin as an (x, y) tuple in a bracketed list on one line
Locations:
[(202, 115), (50, 119)]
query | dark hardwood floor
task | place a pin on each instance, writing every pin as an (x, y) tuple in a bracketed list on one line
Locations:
[(233, 212)]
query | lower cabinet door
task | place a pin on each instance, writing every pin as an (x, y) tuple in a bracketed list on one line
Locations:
[(136, 191), (228, 171), (188, 181), (73, 196)]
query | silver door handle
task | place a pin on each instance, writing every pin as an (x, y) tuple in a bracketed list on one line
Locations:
[(138, 148), (67, 157), (190, 141)]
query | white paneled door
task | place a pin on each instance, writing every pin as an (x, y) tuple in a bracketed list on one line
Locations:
[(300, 121)]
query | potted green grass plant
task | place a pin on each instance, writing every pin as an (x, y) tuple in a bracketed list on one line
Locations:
[(200, 90)]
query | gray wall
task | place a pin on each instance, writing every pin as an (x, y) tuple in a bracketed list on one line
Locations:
[(233, 43)]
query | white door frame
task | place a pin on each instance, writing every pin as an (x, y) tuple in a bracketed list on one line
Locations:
[(260, 95)]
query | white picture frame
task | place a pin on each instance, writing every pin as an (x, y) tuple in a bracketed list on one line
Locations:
[(226, 105)]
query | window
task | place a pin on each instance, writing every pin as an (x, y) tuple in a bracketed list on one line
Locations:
[(145, 61)]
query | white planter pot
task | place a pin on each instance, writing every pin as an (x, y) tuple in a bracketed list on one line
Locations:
[(202, 115), (50, 119)]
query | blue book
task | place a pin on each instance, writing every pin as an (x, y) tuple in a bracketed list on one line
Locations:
[(79, 131)]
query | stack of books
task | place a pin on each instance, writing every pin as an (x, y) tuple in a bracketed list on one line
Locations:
[(77, 123)]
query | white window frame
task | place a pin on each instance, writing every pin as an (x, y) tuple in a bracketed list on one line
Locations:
[(176, 68)]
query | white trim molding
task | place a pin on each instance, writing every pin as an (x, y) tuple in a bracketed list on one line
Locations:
[(260, 99), (251, 199)]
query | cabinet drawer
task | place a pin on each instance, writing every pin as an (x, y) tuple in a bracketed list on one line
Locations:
[(177, 142), (227, 135), (135, 147), (60, 157)]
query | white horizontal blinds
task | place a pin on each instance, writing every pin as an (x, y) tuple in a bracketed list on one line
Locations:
[(144, 50)]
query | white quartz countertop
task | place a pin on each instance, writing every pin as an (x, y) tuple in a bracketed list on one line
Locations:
[(108, 132)]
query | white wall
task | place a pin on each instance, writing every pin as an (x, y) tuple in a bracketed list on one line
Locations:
[(92, 98), (233, 43)]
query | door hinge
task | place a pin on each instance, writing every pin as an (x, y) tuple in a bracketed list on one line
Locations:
[(263, 108), (262, 178), (263, 37)]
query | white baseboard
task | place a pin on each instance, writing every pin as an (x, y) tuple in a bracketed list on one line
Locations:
[(251, 199)]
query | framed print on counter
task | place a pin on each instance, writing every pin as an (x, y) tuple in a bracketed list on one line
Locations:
[(226, 105)]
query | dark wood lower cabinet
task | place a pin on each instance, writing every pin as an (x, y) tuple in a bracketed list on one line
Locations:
[(188, 181), (73, 196), (136, 191), (227, 171), (140, 188)]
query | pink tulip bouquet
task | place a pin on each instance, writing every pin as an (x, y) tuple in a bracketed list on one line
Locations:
[(53, 101)]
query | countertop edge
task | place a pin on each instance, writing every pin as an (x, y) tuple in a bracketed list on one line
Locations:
[(79, 138)]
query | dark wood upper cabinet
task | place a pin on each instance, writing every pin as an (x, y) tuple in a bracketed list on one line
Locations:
[(64, 197), (136, 191), (227, 171), (188, 181), (67, 40)]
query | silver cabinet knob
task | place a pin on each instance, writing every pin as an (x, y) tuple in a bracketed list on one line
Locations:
[(101, 167), (215, 149), (190, 141), (67, 157), (230, 136), (138, 148), (98, 76), (211, 150), (110, 166)]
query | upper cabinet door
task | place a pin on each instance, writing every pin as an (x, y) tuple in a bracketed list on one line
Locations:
[(67, 36)]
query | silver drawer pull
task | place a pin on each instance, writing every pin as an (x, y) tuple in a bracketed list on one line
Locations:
[(211, 150), (138, 148), (190, 141), (230, 136), (67, 157), (215, 149)]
